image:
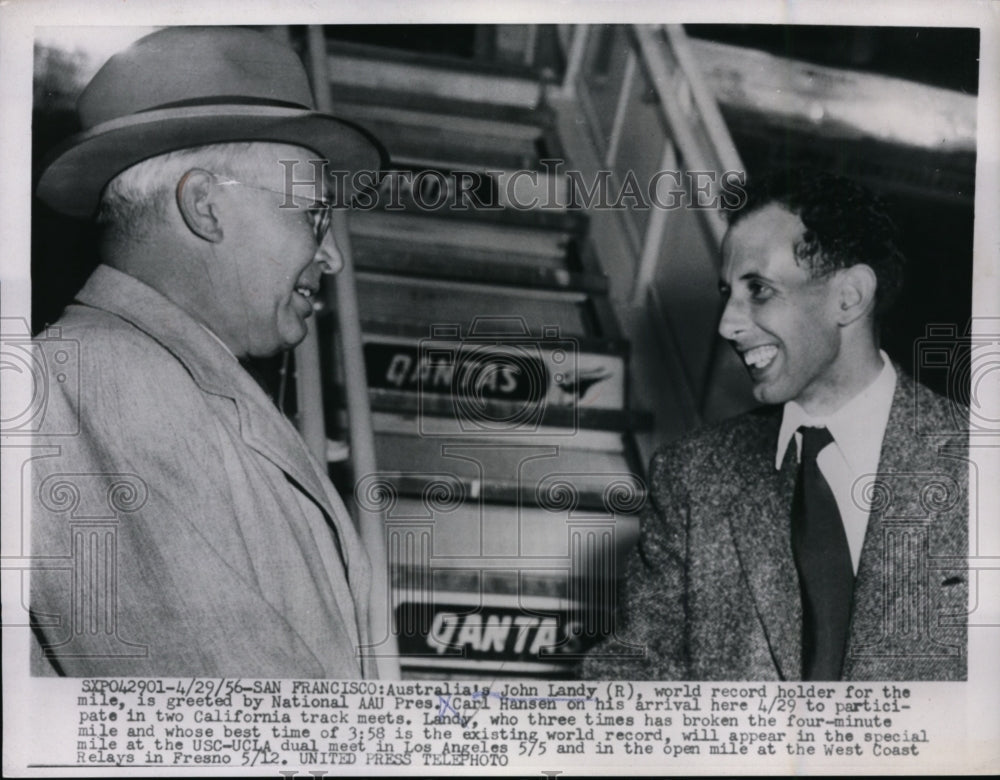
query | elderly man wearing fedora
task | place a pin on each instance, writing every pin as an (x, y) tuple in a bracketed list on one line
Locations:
[(219, 547)]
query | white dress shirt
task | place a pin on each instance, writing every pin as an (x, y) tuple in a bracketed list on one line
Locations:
[(857, 429)]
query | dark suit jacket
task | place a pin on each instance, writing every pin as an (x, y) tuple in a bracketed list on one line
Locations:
[(712, 592)]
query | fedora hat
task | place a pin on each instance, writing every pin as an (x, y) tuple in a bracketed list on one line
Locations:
[(188, 86)]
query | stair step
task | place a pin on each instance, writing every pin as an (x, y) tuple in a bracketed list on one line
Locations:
[(469, 264), (545, 237), (486, 328), (464, 59), (604, 430), (373, 70), (507, 125), (467, 534), (523, 475), (366, 102), (412, 301), (462, 143)]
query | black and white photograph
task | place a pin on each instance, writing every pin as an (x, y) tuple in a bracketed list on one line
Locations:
[(450, 390)]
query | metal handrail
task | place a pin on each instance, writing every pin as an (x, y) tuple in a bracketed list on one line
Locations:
[(720, 151), (694, 137), (717, 153), (371, 525), (708, 106)]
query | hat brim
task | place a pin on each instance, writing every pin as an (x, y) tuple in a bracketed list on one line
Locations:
[(76, 172)]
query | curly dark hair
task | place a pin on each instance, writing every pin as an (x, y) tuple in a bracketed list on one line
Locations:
[(845, 223)]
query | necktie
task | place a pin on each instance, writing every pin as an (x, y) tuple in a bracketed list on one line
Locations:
[(823, 560)]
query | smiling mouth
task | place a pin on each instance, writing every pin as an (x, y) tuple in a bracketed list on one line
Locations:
[(759, 358), (309, 295)]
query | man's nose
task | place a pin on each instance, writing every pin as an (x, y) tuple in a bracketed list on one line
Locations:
[(733, 320), (328, 255)]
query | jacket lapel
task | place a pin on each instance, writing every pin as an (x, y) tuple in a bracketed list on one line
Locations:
[(216, 371), (213, 368), (269, 432), (261, 425), (894, 494), (759, 516)]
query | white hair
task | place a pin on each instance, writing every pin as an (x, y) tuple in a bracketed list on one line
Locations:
[(138, 197)]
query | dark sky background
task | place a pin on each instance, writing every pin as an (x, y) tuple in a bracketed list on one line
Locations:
[(938, 56), (942, 57)]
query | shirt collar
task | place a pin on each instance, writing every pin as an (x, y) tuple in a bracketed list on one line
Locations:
[(215, 336), (857, 427)]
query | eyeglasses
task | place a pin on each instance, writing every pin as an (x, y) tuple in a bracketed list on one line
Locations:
[(321, 211)]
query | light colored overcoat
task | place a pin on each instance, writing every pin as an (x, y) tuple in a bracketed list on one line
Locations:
[(180, 526)]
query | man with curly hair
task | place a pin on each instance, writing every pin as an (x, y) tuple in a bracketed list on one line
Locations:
[(819, 537)]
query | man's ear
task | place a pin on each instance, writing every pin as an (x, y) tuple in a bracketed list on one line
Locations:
[(196, 201), (856, 288)]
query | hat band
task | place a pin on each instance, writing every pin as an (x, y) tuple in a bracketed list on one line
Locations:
[(231, 100)]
